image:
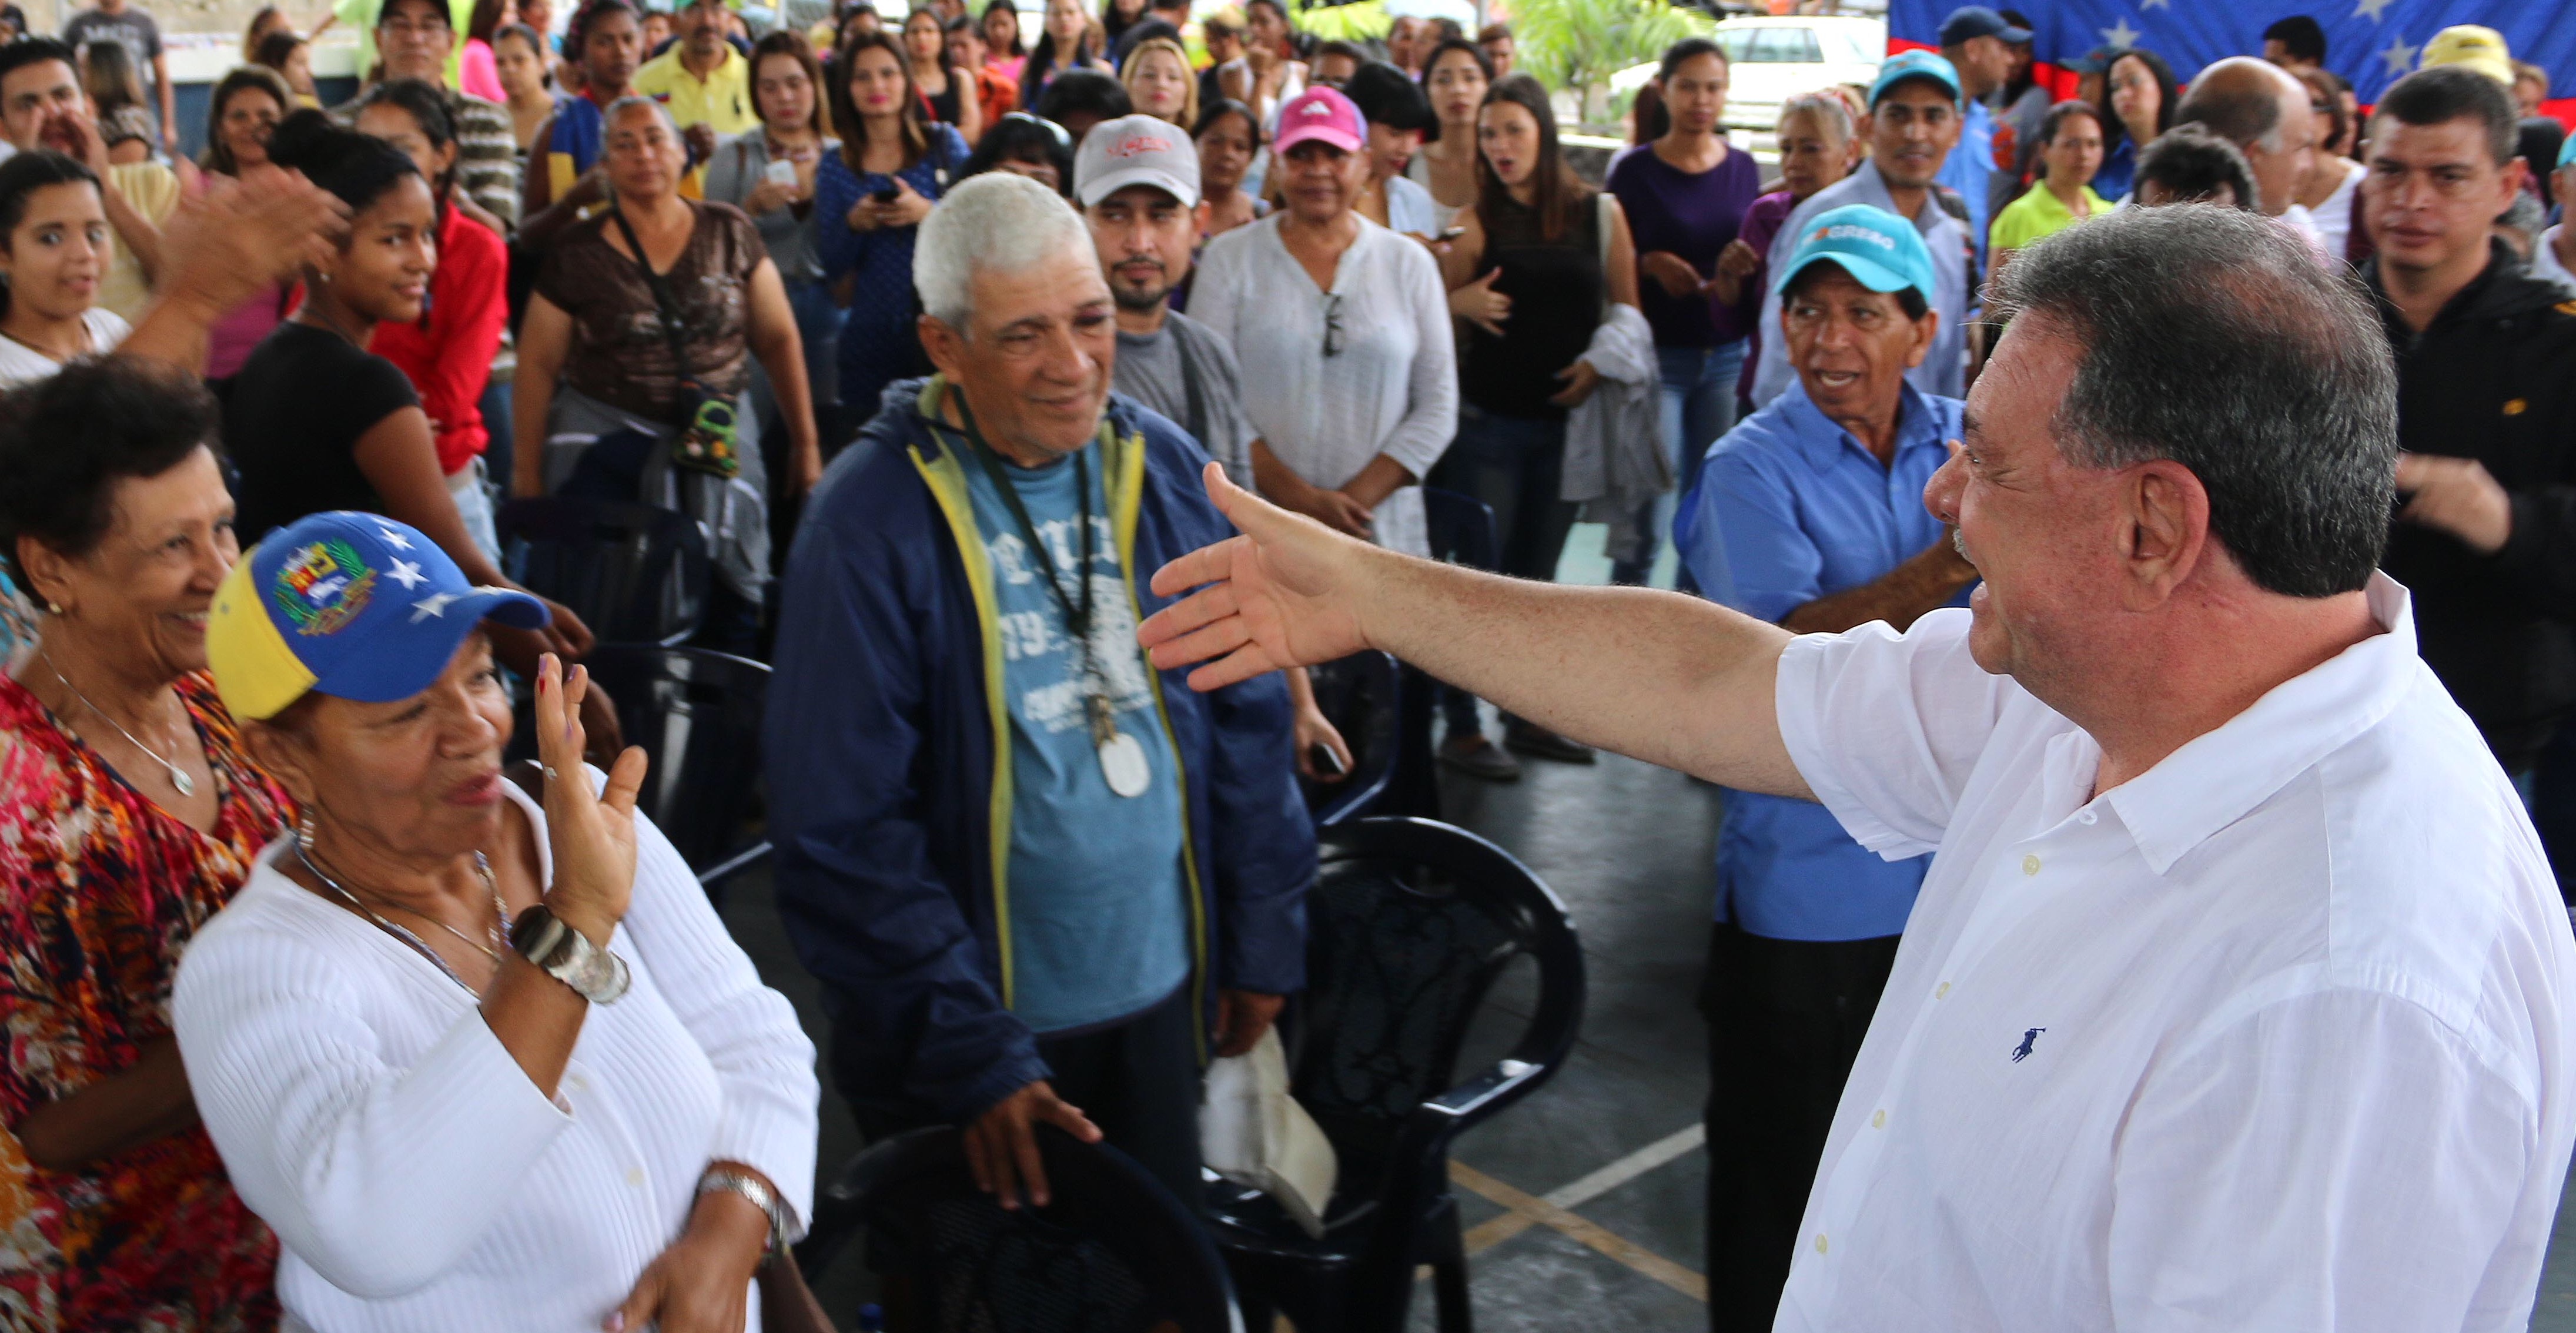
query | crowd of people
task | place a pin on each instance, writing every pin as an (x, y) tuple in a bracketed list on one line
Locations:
[(2123, 575)]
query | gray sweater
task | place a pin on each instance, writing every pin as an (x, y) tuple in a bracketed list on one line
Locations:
[(734, 172)]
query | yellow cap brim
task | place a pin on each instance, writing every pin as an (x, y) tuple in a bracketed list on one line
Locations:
[(255, 672)]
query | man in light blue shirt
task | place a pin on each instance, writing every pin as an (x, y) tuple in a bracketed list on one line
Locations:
[(1978, 43), (1913, 126), (1810, 513)]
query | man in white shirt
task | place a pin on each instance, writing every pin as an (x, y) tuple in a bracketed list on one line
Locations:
[(2236, 995)]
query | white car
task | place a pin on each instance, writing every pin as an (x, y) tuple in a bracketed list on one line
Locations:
[(1773, 59)]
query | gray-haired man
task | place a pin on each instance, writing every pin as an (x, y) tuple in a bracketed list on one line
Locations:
[(1031, 873), (2238, 993)]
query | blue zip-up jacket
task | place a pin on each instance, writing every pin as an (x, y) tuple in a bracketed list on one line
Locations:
[(889, 761)]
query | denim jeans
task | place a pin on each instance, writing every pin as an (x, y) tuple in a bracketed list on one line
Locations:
[(1698, 407), (470, 487), (1515, 465)]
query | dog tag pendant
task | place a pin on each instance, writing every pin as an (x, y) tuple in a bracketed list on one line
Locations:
[(1122, 757)]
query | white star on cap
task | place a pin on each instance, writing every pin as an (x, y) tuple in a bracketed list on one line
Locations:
[(407, 574), (394, 539), (2399, 55), (434, 604)]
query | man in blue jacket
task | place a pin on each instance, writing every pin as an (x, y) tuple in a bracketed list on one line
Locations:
[(1038, 880)]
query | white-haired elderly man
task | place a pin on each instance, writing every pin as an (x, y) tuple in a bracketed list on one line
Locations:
[(1038, 880), (2237, 994)]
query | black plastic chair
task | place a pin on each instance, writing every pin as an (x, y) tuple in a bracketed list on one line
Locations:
[(1460, 528), (634, 573), (1113, 1252), (1362, 695), (697, 715), (1408, 926)]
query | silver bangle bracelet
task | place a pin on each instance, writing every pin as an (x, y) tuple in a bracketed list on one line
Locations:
[(783, 1230), (567, 955)]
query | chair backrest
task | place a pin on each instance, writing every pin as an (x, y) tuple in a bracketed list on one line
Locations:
[(1360, 695), (1409, 924), (634, 573), (697, 715), (1112, 1252), (1460, 528)]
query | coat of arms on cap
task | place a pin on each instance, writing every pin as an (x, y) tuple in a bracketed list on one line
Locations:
[(323, 586)]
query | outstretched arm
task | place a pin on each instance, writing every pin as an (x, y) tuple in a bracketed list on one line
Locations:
[(1668, 679)]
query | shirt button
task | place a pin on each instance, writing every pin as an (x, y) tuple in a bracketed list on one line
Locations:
[(2084, 816), (1879, 1120), (2030, 865), (1943, 991), (1820, 1242), (635, 1176)]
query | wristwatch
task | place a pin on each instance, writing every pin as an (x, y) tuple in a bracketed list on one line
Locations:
[(732, 1180), (568, 956)]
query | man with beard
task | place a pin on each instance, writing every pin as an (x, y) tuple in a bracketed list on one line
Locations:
[(42, 106), (1138, 180)]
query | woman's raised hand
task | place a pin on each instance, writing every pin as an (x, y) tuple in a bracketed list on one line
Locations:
[(592, 836)]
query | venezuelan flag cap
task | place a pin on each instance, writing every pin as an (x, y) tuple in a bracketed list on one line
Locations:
[(353, 605)]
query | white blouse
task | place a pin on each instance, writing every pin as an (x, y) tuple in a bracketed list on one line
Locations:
[(415, 1177), (1391, 387)]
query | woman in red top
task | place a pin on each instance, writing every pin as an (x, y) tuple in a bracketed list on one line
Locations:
[(447, 353), (129, 814)]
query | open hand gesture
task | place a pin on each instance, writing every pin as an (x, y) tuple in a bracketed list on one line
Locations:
[(1479, 304), (592, 836), (1272, 597)]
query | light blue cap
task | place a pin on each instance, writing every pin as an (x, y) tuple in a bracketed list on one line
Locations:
[(1880, 250), (2567, 150), (1916, 64)]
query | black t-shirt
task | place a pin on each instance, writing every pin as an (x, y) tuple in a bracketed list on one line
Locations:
[(1555, 288), (292, 421)]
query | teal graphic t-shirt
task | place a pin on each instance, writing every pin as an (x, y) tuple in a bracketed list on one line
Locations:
[(1099, 918)]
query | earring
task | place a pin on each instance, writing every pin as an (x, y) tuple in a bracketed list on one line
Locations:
[(53, 608), (304, 830)]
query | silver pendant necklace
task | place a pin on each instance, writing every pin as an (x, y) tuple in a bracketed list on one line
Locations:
[(482, 866), (178, 776)]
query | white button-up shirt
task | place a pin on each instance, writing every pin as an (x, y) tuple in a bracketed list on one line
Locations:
[(2272, 1036)]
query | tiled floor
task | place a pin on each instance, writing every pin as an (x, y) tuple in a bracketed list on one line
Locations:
[(1627, 846)]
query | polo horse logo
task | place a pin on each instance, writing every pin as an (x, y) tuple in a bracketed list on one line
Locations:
[(2028, 1039)]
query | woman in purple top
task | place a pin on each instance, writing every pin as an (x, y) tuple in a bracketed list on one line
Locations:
[(1816, 142), (1685, 195)]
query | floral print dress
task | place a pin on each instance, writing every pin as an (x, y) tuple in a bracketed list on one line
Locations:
[(100, 890)]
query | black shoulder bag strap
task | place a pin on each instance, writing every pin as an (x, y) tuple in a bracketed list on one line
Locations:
[(706, 442)]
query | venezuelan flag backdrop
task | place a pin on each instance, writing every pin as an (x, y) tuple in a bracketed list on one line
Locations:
[(2369, 42)]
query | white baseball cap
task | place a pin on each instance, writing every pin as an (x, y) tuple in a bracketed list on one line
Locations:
[(1136, 150)]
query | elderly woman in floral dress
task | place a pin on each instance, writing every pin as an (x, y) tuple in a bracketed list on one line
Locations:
[(131, 814)]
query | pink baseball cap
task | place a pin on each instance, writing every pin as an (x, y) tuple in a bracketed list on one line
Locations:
[(1320, 113)]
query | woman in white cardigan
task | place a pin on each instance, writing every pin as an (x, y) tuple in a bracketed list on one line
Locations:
[(481, 1065)]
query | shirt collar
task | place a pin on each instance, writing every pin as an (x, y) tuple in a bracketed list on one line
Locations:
[(1821, 440), (2218, 777), (1874, 187)]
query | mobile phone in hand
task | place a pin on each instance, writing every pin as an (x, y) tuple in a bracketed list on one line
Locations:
[(1326, 762), (1453, 233), (887, 195), (780, 172)]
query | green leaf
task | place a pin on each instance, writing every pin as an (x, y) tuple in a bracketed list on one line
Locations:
[(1576, 45)]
